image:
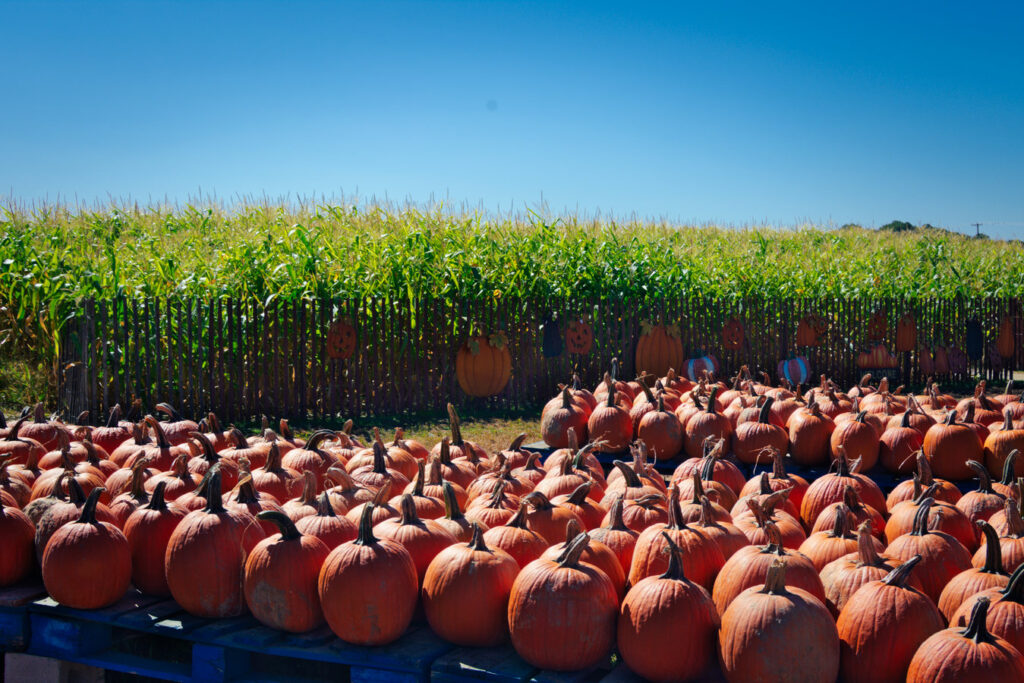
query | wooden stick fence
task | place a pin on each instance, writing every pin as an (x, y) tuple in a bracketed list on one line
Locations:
[(241, 359)]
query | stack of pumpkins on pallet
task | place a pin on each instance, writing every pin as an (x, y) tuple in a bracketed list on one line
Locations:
[(772, 579), (874, 425)]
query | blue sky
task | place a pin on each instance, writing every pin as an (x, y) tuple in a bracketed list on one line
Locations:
[(706, 112)]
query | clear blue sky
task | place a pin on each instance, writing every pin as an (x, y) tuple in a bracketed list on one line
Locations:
[(724, 112)]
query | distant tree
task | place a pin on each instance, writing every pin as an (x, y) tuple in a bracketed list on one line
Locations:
[(898, 226), (851, 226)]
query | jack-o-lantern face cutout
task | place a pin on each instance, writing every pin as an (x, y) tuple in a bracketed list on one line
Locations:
[(732, 334), (878, 326), (579, 337), (810, 329), (341, 339)]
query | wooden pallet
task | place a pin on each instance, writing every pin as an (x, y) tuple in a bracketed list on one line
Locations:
[(155, 638)]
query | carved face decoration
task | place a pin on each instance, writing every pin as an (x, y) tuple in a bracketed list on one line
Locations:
[(810, 329), (878, 326), (341, 339), (579, 337), (732, 334)]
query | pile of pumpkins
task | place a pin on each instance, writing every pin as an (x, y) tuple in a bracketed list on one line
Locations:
[(875, 426), (772, 578)]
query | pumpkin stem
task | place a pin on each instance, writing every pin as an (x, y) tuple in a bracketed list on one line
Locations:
[(993, 550), (477, 541), (158, 432), (766, 409), (115, 417), (1014, 522), (239, 438), (698, 487), (775, 582), (15, 428), (925, 493), (284, 524), (308, 488), (711, 399), (615, 520), (137, 490), (905, 420), (273, 463), (921, 518), (765, 483), (156, 499), (1008, 467), (615, 370), (214, 499), (324, 507), (1014, 590), (453, 421), (984, 480), (976, 629), (518, 520), (366, 536), (675, 560), (408, 509), (866, 553), (579, 495), (538, 501), (421, 475), (851, 499), (445, 452), (632, 480), (899, 575), (707, 513), (774, 544), (380, 499), (88, 515), (379, 463), (572, 530), (209, 454), (778, 465), (497, 495), (675, 513), (75, 493), (840, 527), (451, 503), (570, 557), (318, 438), (340, 478)]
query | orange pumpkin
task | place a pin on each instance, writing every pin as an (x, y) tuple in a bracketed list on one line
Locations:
[(660, 348), (579, 336), (877, 357), (483, 365), (341, 339), (732, 334), (906, 332)]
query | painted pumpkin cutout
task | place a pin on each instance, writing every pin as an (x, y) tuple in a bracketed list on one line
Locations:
[(660, 347), (795, 370), (483, 365), (696, 367), (941, 361), (925, 361), (810, 329), (877, 326), (341, 339), (877, 357), (579, 336), (906, 332), (732, 334)]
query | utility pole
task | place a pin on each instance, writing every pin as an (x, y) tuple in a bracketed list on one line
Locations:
[(977, 229)]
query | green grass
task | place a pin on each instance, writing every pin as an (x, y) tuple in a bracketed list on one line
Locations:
[(52, 257)]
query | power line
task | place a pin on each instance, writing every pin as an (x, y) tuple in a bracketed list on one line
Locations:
[(977, 229)]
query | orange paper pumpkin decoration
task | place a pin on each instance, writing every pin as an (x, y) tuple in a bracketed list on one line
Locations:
[(941, 361), (732, 334), (906, 333), (877, 327), (810, 329), (483, 365), (341, 339), (579, 336), (925, 360), (877, 357), (660, 347), (1005, 341)]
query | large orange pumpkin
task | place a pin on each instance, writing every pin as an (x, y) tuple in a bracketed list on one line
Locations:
[(660, 348), (483, 365)]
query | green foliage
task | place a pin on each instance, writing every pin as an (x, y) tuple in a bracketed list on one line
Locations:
[(899, 226), (53, 257)]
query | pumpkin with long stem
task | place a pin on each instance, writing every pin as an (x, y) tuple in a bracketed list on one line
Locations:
[(176, 428), (668, 625), (454, 521), (374, 476), (1011, 539), (560, 415), (705, 424), (562, 613), (857, 511), (748, 567), (764, 492), (148, 530), (209, 457), (368, 587), (206, 556), (87, 563), (427, 507), (751, 439), (531, 471), (346, 493), (822, 547), (614, 533), (726, 535), (1006, 611), (1007, 484), (125, 504), (111, 435), (610, 423), (382, 509), (945, 491), (484, 484), (809, 433), (776, 632), (40, 429), (281, 575), (968, 654), (842, 577), (831, 488), (702, 556), (942, 556), (517, 539), (64, 512), (423, 538), (898, 445), (942, 517), (754, 522), (858, 439), (498, 508), (982, 503), (568, 475), (590, 513), (778, 479), (596, 553), (976, 579), (327, 525), (17, 537), (546, 518), (466, 590), (245, 498), (179, 480), (882, 624), (661, 430), (17, 446), (725, 494), (1001, 443)]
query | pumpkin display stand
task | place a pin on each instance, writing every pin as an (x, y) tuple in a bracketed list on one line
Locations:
[(154, 638)]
